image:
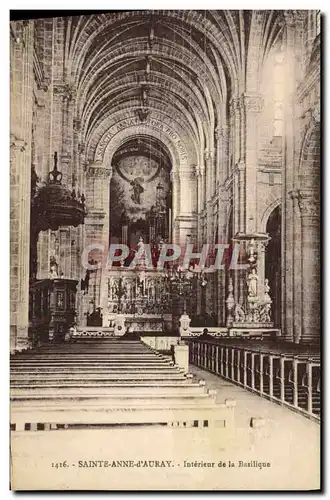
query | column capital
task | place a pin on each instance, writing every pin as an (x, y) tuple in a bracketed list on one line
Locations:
[(188, 171), (81, 148), (17, 144), (221, 133), (294, 194), (200, 170), (65, 157), (234, 103), (291, 17), (174, 176), (208, 155), (309, 204), (65, 90), (98, 170), (253, 103), (76, 124)]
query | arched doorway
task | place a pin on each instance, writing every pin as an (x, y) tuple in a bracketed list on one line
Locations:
[(273, 262), (140, 192)]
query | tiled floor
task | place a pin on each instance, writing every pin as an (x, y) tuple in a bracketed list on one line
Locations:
[(288, 442)]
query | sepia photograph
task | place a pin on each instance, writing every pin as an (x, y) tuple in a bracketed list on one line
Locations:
[(165, 173)]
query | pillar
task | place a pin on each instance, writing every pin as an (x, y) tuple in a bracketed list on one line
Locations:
[(296, 269), (292, 71), (252, 106), (20, 186), (97, 223), (310, 258)]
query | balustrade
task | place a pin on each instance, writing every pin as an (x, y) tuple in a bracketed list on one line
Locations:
[(289, 379)]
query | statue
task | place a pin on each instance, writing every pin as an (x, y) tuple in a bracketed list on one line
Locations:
[(53, 272), (137, 190), (141, 252), (251, 247), (252, 280), (264, 313), (267, 298), (239, 313)]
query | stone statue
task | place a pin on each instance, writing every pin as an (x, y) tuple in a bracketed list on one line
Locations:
[(251, 258), (264, 313), (141, 252), (252, 280), (239, 314), (53, 268), (137, 190), (267, 298)]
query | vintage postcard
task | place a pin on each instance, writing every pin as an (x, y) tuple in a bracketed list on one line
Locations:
[(165, 239)]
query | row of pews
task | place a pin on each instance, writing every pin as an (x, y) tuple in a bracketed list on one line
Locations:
[(108, 382), (286, 374)]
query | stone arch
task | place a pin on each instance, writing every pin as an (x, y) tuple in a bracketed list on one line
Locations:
[(267, 212), (184, 179), (309, 164), (113, 142)]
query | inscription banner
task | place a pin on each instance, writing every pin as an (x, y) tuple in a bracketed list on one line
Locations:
[(150, 123)]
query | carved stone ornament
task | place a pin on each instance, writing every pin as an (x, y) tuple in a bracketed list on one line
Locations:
[(311, 117), (98, 171), (142, 114), (66, 90), (77, 124), (221, 133), (234, 105), (316, 114), (309, 204), (16, 146), (207, 155), (252, 102)]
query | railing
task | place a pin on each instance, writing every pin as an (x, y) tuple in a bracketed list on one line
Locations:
[(289, 379)]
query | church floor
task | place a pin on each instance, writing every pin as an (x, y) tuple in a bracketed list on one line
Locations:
[(177, 458)]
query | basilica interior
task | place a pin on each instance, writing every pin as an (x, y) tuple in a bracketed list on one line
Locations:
[(142, 130)]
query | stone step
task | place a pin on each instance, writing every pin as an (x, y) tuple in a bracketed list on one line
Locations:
[(94, 369), (113, 390), (220, 415), (83, 354), (86, 363), (116, 401), (107, 383), (110, 376)]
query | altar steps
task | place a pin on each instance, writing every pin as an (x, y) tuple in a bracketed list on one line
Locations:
[(107, 382)]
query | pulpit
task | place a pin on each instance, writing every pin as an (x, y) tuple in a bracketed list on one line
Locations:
[(52, 309)]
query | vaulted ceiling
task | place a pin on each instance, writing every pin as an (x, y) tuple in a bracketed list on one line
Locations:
[(183, 65)]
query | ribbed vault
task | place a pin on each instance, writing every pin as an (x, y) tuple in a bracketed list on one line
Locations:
[(183, 66)]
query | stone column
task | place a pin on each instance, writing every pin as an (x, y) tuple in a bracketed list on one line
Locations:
[(187, 180), (19, 245), (175, 180), (221, 137), (252, 106), (310, 225), (97, 221), (235, 128), (291, 147), (296, 269), (20, 186), (208, 156)]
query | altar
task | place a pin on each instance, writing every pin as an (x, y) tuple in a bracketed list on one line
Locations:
[(142, 297)]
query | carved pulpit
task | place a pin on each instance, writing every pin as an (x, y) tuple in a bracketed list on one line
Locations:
[(52, 309)]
